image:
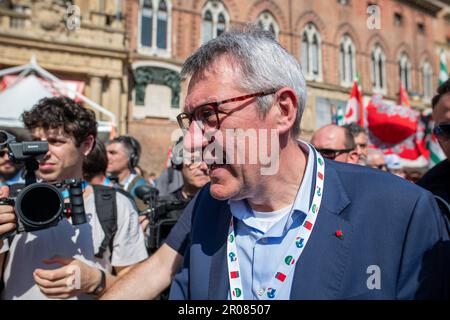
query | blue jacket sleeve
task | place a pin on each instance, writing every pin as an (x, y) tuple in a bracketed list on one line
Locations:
[(422, 265)]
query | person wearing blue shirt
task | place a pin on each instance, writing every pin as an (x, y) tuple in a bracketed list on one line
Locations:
[(308, 228)]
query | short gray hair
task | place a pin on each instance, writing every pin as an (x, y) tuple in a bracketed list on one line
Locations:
[(263, 62)]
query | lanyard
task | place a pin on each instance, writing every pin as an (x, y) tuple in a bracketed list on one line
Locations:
[(293, 253)]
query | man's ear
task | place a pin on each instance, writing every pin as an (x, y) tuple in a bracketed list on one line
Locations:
[(353, 157), (87, 145), (287, 106)]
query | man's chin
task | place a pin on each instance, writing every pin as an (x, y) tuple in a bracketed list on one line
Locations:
[(221, 192), (49, 177)]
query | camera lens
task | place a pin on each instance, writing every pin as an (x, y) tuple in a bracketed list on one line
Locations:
[(39, 204)]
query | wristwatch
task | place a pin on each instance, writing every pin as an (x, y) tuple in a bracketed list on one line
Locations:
[(102, 284)]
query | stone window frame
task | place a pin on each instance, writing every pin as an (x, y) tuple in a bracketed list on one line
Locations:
[(150, 74), (404, 67), (427, 77), (309, 32), (378, 75), (347, 74), (153, 49), (215, 8), (266, 20)]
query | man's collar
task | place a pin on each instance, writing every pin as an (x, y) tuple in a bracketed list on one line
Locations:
[(242, 211)]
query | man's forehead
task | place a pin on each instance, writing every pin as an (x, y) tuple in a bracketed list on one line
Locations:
[(51, 132), (212, 84)]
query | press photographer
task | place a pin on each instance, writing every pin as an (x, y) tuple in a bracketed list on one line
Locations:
[(52, 209), (67, 260)]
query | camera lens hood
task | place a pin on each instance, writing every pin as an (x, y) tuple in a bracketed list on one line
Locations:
[(39, 205)]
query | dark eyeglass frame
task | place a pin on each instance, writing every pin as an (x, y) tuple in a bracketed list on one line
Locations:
[(442, 130), (327, 153), (193, 116)]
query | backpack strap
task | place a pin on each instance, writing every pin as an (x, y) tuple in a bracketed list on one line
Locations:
[(106, 207)]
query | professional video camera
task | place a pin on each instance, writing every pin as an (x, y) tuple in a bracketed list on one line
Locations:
[(40, 205), (162, 212)]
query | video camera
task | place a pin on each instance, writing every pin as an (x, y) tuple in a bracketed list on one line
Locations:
[(40, 205), (162, 212)]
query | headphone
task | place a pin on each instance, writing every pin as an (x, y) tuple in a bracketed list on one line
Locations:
[(135, 150)]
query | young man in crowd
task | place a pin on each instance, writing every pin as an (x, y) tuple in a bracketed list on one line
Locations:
[(67, 261)]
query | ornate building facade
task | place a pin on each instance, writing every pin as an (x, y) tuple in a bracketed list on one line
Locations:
[(91, 50)]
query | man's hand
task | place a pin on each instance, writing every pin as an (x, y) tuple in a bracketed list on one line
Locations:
[(143, 222), (7, 214), (73, 278)]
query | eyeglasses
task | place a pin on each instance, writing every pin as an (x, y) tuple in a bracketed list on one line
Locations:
[(332, 153), (442, 131), (208, 113)]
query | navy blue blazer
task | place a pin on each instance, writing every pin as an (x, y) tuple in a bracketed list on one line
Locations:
[(386, 222)]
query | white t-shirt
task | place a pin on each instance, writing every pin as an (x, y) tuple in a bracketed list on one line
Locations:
[(263, 221), (27, 250)]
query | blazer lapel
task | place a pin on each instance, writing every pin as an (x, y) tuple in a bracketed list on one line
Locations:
[(218, 277), (320, 268)]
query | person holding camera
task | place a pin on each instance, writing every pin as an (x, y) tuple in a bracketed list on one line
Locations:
[(67, 260), (10, 172), (123, 157)]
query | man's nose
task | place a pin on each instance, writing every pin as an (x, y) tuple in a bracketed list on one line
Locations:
[(195, 138)]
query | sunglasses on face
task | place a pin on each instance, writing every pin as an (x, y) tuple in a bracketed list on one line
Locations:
[(333, 153), (442, 131), (3, 153)]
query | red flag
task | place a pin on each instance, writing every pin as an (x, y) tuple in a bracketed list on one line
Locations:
[(354, 111), (234, 274), (403, 96)]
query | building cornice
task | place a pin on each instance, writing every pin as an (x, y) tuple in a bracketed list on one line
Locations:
[(79, 48), (424, 5)]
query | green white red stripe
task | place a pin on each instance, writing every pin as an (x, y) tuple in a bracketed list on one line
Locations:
[(443, 73)]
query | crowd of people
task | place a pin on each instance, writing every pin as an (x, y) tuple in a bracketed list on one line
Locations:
[(312, 230)]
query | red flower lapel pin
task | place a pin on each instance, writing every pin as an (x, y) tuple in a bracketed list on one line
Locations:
[(339, 234)]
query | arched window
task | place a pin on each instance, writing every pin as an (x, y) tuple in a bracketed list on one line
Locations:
[(305, 54), (215, 20), (155, 18), (146, 23), (347, 61), (405, 71), (162, 25), (427, 79), (311, 53), (378, 60), (268, 22)]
